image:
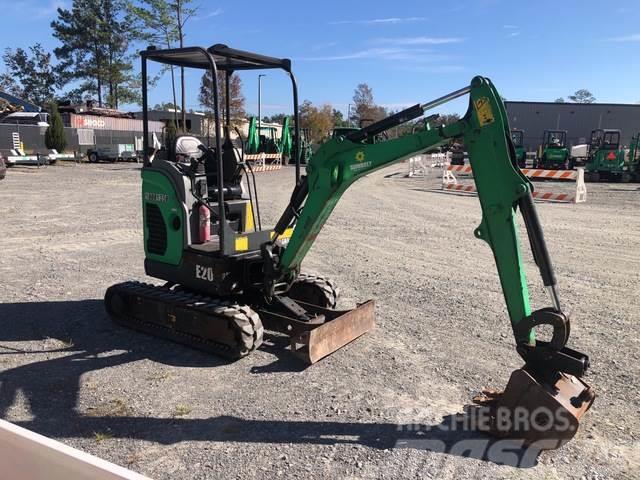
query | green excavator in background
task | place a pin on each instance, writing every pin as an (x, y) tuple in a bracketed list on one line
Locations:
[(553, 154), (267, 140), (606, 158), (263, 139), (228, 277), (633, 158)]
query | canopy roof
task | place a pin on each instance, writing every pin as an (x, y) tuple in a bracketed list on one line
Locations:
[(227, 59)]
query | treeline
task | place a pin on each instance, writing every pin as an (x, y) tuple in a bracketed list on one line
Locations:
[(98, 43), (321, 119), (97, 52)]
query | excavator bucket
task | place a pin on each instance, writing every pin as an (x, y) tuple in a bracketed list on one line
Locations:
[(540, 409), (339, 329)]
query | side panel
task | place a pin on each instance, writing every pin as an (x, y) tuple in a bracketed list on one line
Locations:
[(164, 220)]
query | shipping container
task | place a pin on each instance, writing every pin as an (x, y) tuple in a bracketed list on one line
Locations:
[(97, 122)]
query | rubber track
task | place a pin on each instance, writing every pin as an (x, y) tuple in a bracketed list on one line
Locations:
[(239, 318), (328, 287)]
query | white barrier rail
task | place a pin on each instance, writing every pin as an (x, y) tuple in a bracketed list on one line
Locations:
[(450, 182), (26, 455), (420, 164)]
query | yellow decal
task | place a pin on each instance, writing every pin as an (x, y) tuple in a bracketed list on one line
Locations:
[(286, 234), (483, 109), (248, 221), (360, 156), (242, 244)]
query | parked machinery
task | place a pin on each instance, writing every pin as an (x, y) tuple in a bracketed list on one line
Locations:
[(338, 132), (517, 138), (306, 149), (553, 154), (633, 158), (605, 160), (228, 276), (263, 139)]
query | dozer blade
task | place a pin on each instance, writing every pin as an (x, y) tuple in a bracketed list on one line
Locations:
[(540, 409), (340, 328)]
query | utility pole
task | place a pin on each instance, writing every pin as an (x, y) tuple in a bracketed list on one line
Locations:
[(183, 89), (348, 115), (260, 99)]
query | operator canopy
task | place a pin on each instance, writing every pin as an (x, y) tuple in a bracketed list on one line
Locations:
[(226, 59)]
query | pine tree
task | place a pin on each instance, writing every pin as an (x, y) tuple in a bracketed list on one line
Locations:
[(95, 39), (30, 74), (54, 137), (163, 22)]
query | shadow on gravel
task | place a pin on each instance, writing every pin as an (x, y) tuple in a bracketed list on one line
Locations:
[(626, 190), (51, 388), (284, 362)]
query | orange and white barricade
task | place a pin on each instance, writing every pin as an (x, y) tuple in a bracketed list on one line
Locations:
[(450, 182), (264, 162)]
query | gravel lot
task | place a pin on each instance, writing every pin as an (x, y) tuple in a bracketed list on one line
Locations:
[(68, 232)]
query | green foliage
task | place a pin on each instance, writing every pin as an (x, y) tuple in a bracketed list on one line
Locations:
[(338, 119), (165, 107), (317, 119), (582, 96), (181, 410), (95, 37), (559, 100), (30, 74), (163, 22), (102, 436), (54, 137)]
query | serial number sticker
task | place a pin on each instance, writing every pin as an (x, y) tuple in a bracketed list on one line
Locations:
[(483, 109)]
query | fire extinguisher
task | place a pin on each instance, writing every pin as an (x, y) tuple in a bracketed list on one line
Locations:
[(205, 223)]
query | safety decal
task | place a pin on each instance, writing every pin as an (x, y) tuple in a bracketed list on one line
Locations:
[(483, 109)]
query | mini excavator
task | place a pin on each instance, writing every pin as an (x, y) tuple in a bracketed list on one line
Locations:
[(227, 278)]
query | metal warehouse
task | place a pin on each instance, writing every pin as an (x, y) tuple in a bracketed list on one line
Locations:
[(578, 119)]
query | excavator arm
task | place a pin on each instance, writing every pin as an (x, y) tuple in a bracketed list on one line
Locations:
[(501, 187), (502, 190)]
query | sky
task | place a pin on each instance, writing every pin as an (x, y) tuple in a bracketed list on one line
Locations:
[(408, 53)]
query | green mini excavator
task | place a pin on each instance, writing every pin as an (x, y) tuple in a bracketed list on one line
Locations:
[(228, 277)]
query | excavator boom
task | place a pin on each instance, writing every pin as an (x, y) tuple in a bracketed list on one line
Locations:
[(502, 191)]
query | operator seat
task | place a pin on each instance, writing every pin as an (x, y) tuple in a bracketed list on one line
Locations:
[(187, 147)]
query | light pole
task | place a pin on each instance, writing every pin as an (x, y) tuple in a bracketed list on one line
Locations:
[(259, 99), (348, 115)]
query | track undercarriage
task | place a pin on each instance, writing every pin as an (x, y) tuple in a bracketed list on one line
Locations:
[(232, 327)]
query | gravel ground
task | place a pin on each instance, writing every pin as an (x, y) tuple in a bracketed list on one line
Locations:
[(442, 334)]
